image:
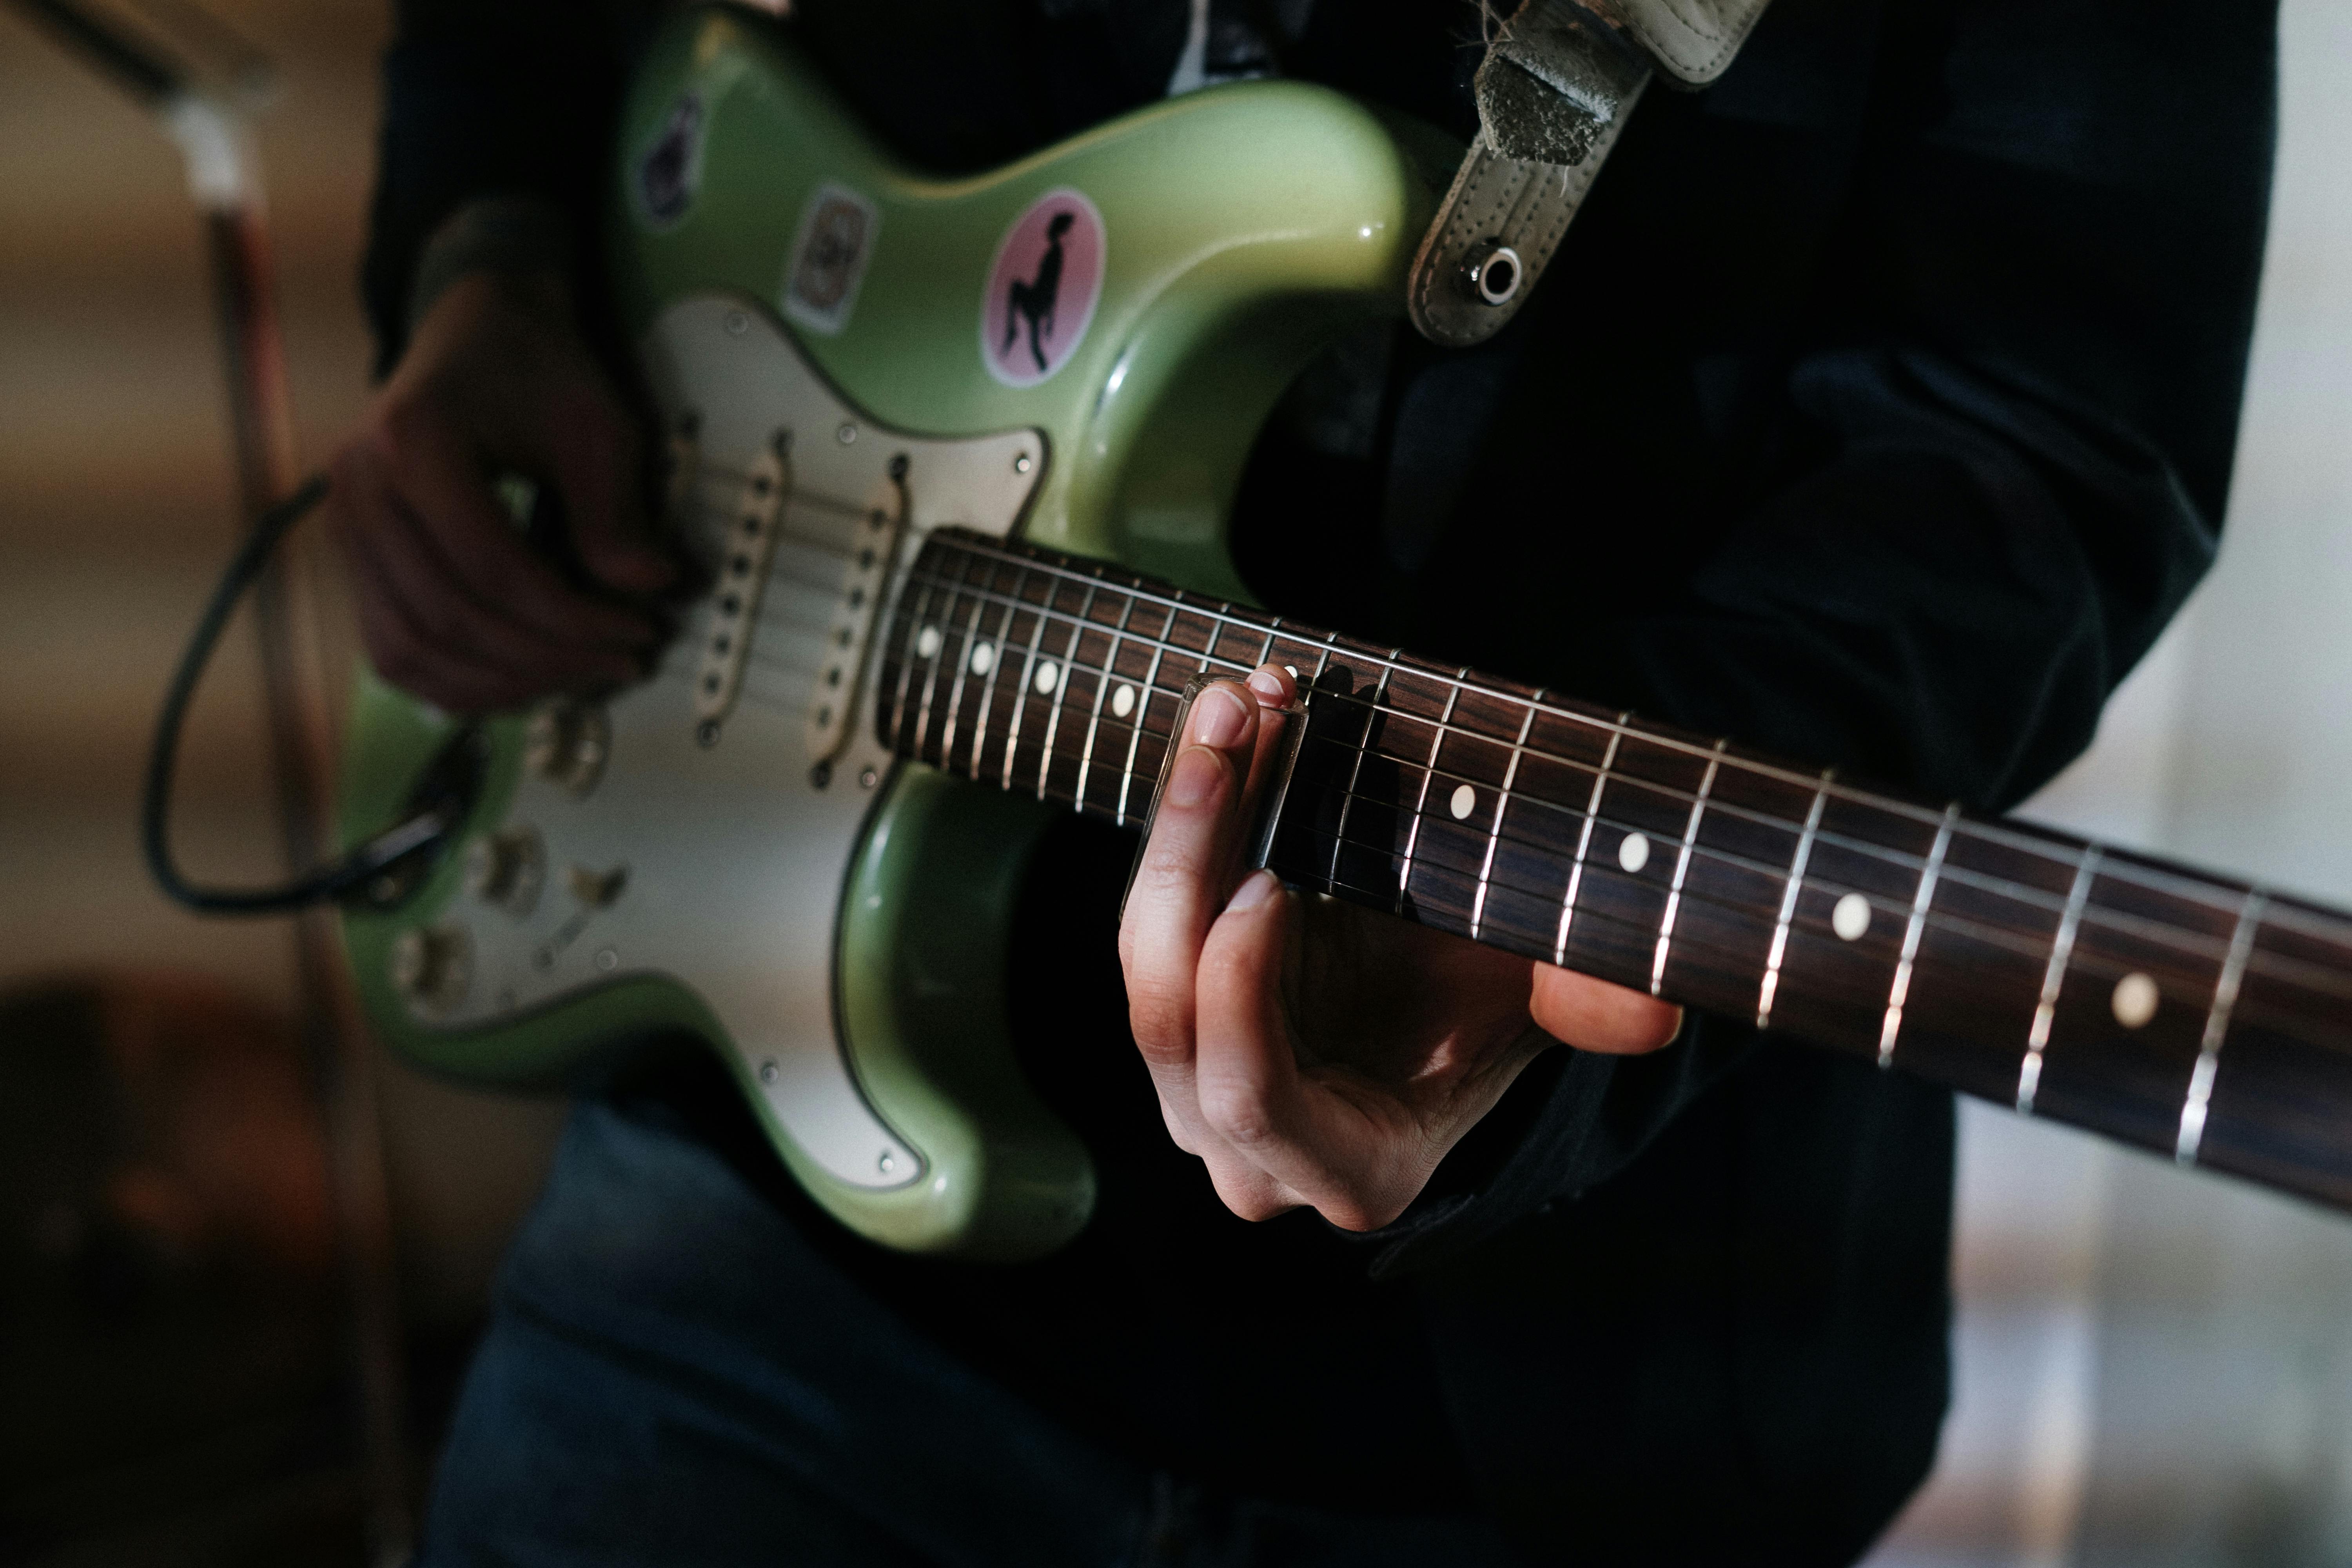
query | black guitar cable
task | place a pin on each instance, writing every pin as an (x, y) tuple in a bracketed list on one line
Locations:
[(431, 819)]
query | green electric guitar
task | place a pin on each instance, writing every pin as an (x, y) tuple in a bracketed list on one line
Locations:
[(956, 455)]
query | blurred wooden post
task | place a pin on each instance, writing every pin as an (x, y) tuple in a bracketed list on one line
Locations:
[(224, 177)]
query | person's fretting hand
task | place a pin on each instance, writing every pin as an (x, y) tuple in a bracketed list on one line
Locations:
[(1309, 1051)]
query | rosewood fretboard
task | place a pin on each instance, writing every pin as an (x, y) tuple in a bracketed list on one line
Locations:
[(2194, 1015)]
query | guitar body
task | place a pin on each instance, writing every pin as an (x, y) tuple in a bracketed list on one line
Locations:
[(1078, 350)]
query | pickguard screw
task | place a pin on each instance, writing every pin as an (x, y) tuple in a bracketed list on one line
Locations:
[(867, 777), (769, 1071), (738, 324), (847, 432), (1023, 462), (821, 775), (706, 733)]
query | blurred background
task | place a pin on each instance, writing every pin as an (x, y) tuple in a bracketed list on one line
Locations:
[(2153, 1368)]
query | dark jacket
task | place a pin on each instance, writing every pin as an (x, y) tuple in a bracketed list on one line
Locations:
[(1879, 410)]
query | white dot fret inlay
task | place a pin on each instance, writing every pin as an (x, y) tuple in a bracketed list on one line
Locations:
[(1122, 701), (2135, 1001), (1634, 853), (926, 642), (1851, 919), (1048, 674), (1465, 801), (984, 655)]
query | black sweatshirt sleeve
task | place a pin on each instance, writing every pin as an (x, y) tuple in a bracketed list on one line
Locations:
[(1968, 482), (512, 98)]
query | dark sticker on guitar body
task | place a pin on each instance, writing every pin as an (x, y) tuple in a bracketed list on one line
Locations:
[(1043, 289), (670, 171)]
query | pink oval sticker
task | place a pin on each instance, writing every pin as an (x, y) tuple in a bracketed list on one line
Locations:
[(1043, 289)]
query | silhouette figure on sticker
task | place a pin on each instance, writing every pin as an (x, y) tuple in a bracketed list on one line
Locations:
[(1032, 301)]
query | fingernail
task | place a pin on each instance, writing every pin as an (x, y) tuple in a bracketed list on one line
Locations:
[(1218, 717), (1256, 888), (1195, 777), (1268, 685)]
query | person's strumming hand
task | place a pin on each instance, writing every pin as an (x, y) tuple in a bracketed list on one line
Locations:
[(1310, 1052), (454, 604)]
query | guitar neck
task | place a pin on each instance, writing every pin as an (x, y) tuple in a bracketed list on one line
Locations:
[(2197, 1016)]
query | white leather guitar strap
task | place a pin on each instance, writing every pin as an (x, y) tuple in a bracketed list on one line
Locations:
[(1559, 81)]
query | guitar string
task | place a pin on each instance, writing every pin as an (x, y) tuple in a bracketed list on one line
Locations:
[(2276, 966), (1877, 852), (978, 550), (2157, 879), (2178, 936), (2088, 961), (998, 555), (1222, 619)]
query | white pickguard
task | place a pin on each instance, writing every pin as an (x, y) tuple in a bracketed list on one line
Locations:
[(732, 860)]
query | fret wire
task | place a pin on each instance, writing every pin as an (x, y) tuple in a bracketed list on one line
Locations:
[(1062, 689), (1789, 892), (2191, 944), (1532, 946), (1682, 870), (971, 635), (1356, 772), (1900, 990), (1021, 692), (907, 670), (1145, 693), (932, 679), (2217, 1028), (2154, 878), (1583, 844), (1991, 935), (2001, 886), (1495, 827), (2174, 936), (1602, 916), (2305, 973), (1421, 805), (1102, 688), (2295, 970), (1999, 937), (984, 722), (2046, 1008)]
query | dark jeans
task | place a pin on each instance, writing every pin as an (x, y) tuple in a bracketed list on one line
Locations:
[(673, 1375)]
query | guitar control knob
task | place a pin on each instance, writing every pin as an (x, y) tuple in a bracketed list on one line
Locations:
[(431, 967), (569, 743), (507, 869)]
